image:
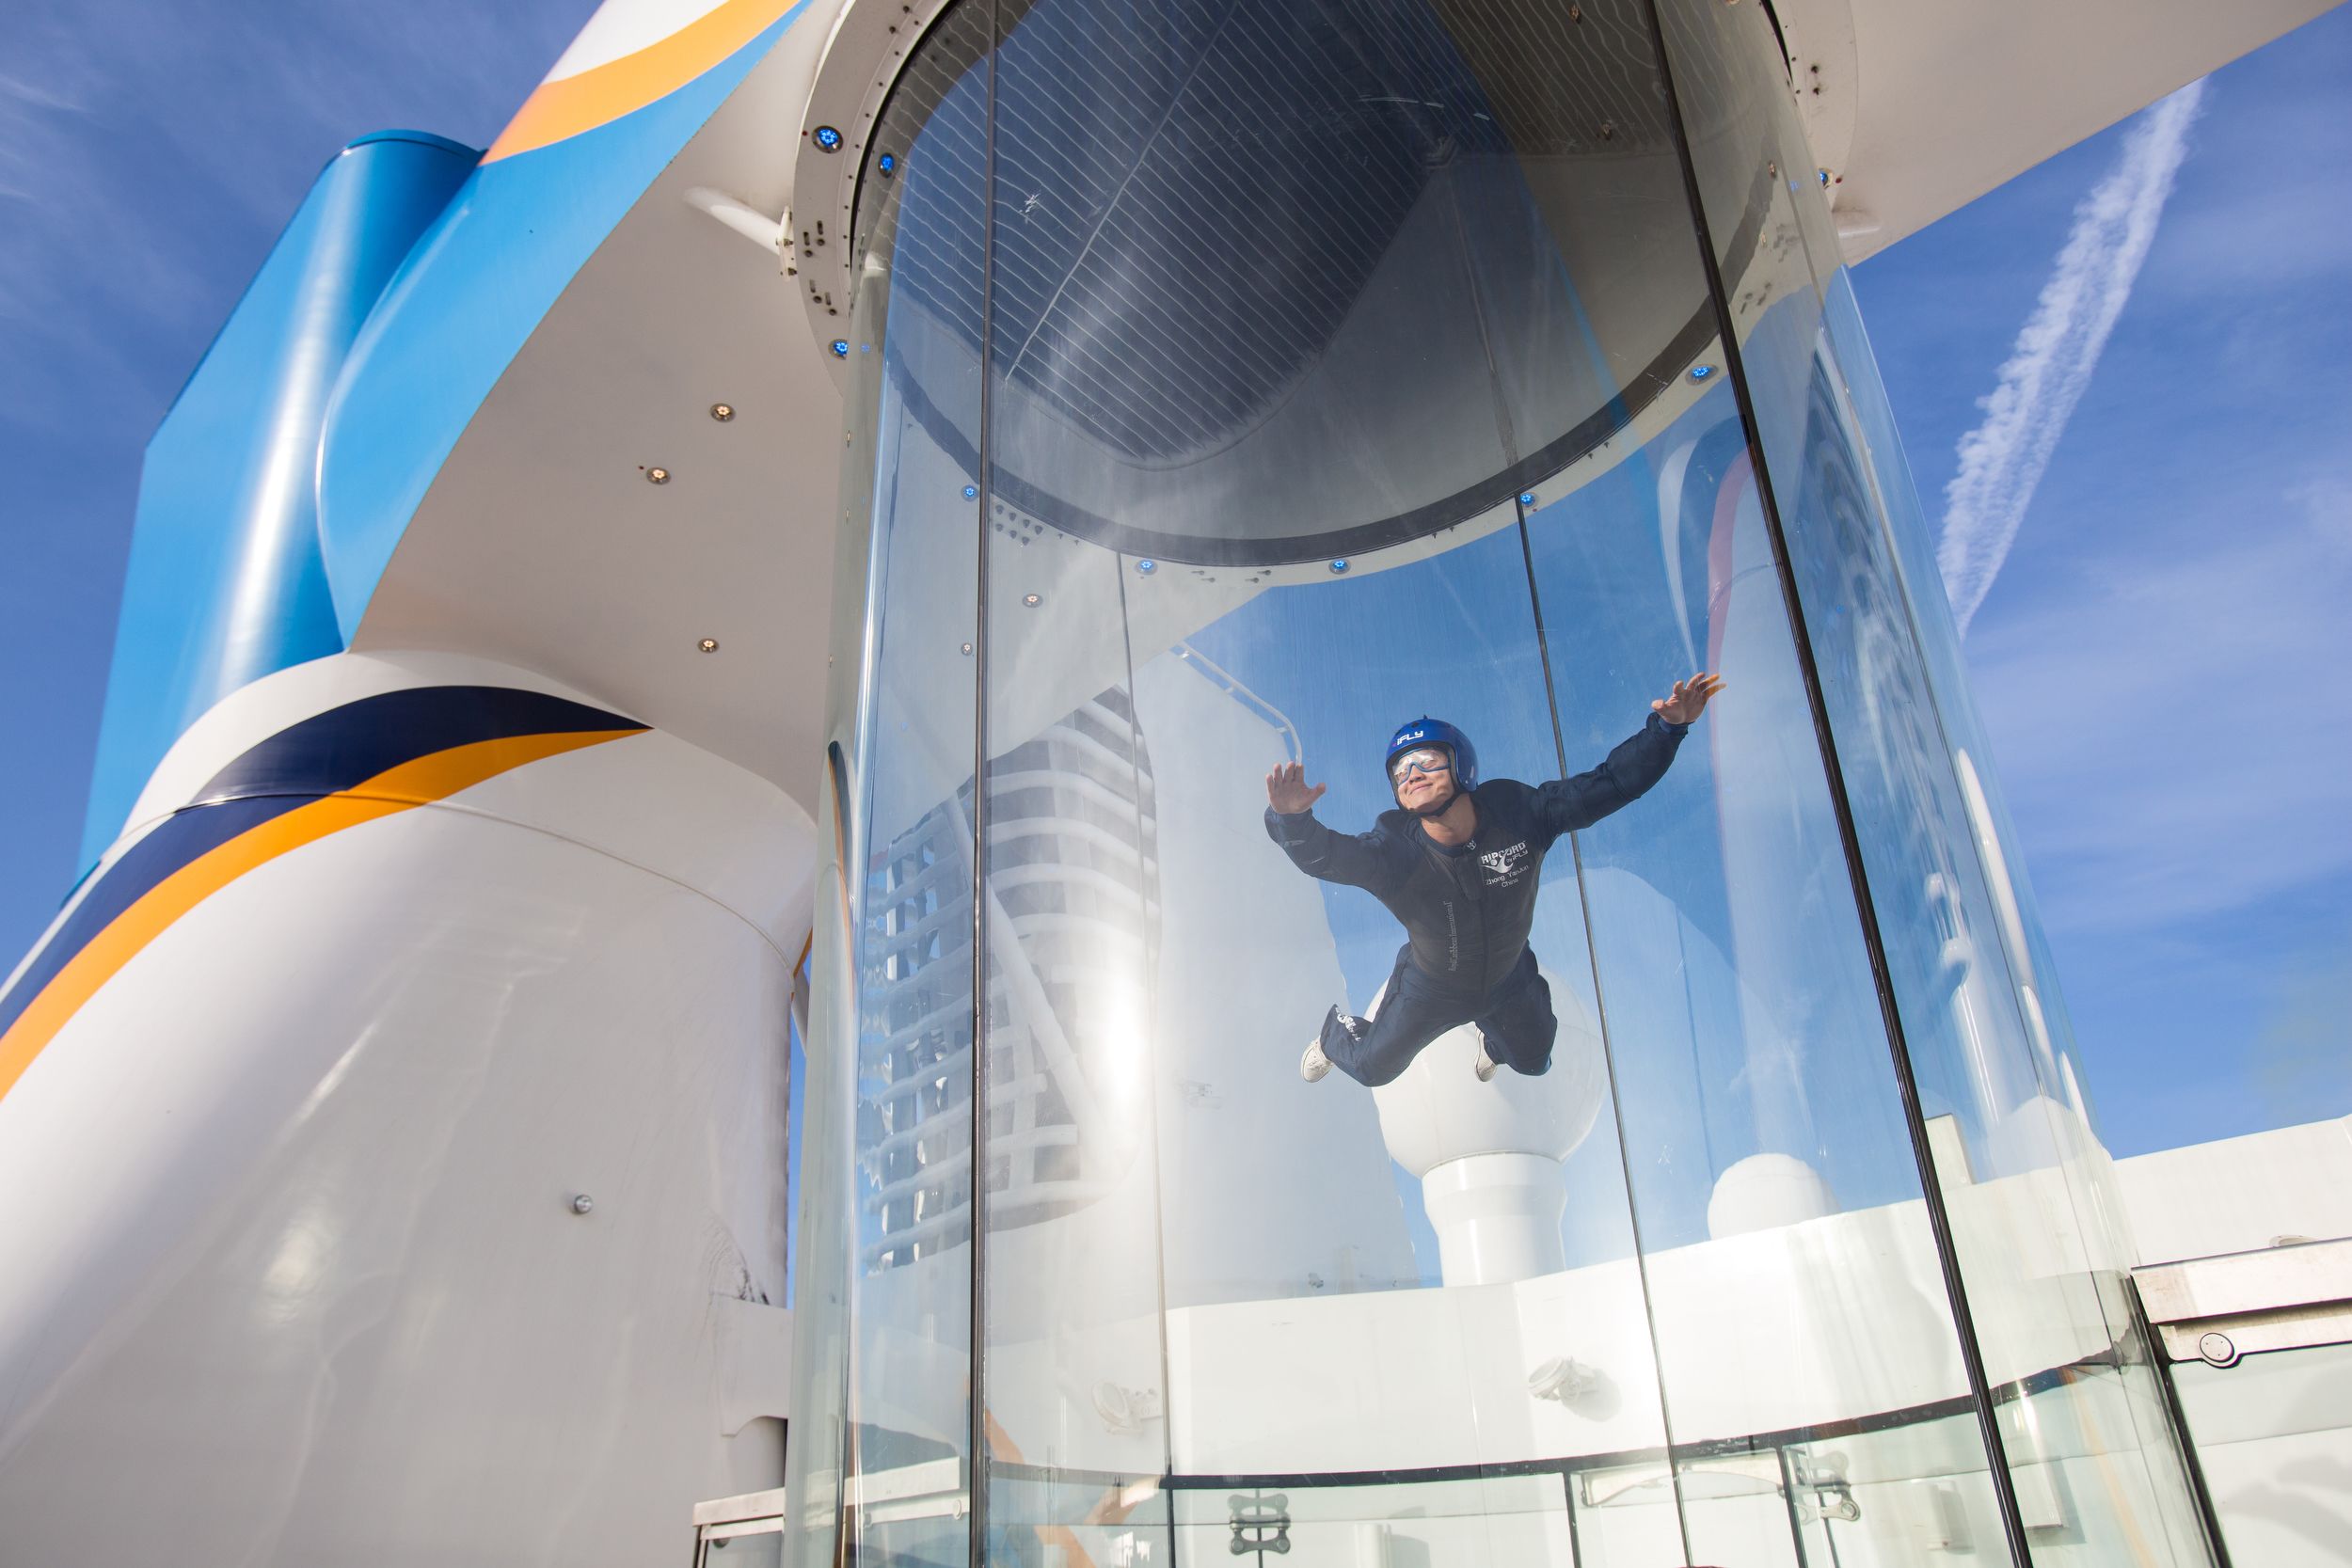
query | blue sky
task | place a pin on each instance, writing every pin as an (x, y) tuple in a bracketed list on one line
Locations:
[(2153, 656), (2154, 659)]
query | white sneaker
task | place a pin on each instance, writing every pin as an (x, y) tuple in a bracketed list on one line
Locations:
[(1313, 1064), (1485, 1067)]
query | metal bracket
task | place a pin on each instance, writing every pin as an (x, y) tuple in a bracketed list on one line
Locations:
[(2220, 1309)]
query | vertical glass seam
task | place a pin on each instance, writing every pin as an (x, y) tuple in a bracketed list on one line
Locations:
[(1608, 1046), (976, 1332), (1789, 1496), (1152, 1065), (1971, 1352), (850, 773), (845, 838), (1567, 1511)]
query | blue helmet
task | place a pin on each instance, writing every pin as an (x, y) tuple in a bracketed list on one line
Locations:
[(1426, 731)]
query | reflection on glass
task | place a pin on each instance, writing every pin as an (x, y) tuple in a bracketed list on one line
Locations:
[(2020, 1169), (1238, 384)]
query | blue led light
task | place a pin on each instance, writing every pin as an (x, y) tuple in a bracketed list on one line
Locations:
[(828, 138), (1700, 372), (1825, 176), (1338, 568), (1146, 567), (887, 163), (971, 492), (1527, 497), (841, 348)]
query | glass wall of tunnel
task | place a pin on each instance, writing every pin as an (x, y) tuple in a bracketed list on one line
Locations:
[(1234, 383)]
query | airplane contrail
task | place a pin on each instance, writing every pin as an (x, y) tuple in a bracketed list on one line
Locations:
[(2002, 460)]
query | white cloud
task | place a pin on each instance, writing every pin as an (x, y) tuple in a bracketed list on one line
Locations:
[(2002, 460)]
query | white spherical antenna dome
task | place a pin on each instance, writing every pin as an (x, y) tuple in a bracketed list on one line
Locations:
[(1439, 1111), (2039, 1133), (1764, 1192)]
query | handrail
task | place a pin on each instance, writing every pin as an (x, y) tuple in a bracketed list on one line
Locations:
[(1233, 687)]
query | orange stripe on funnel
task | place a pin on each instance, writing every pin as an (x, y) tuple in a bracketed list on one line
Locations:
[(433, 777), (604, 93)]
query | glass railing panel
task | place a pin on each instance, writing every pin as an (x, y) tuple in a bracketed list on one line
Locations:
[(1737, 1507), (1626, 1512), (1901, 1490), (1521, 1519), (2269, 1430), (1054, 1514)]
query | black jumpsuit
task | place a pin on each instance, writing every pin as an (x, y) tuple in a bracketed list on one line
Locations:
[(1466, 910)]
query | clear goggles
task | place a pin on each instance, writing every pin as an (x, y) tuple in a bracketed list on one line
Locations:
[(1428, 759)]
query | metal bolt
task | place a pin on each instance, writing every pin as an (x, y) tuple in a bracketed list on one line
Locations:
[(709, 644), (1338, 568), (2217, 1348), (967, 647), (656, 475), (723, 412), (581, 1203), (1032, 600)]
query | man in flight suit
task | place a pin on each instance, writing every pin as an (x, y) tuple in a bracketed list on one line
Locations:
[(1456, 863)]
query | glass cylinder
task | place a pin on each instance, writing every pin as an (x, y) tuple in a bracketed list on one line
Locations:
[(1301, 459)]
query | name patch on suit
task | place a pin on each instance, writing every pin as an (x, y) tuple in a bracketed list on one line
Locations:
[(1504, 865)]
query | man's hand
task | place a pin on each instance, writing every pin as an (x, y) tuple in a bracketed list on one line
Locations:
[(1689, 698), (1288, 791)]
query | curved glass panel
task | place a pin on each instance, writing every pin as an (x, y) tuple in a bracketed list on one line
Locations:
[(2032, 1210), (1236, 383)]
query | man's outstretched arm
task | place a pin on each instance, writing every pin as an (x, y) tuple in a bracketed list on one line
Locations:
[(1350, 858), (1638, 762)]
